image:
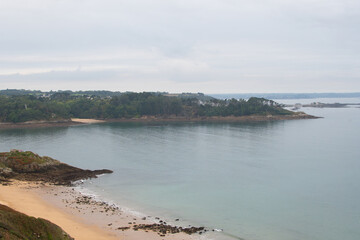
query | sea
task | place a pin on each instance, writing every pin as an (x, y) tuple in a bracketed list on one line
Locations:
[(278, 180)]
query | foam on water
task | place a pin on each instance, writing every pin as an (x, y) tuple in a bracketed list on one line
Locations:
[(86, 191)]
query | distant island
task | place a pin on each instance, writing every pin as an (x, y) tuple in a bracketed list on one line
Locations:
[(297, 106), (24, 106)]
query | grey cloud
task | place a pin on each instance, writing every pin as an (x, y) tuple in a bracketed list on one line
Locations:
[(190, 44)]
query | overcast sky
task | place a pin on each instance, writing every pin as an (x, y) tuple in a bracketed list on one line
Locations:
[(210, 46)]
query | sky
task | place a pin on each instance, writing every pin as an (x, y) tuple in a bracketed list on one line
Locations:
[(209, 46)]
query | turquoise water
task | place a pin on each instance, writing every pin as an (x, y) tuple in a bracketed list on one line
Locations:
[(284, 180)]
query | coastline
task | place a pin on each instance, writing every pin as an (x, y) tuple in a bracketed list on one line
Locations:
[(217, 119), (79, 215), (150, 119), (21, 197)]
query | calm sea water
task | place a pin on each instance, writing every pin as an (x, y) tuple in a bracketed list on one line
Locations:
[(284, 180)]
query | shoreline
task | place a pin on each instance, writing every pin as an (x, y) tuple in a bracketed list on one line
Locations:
[(81, 216), (151, 119), (21, 197), (216, 119), (38, 124)]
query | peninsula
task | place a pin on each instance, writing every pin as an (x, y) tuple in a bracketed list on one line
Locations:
[(33, 108)]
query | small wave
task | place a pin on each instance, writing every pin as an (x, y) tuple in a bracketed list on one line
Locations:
[(99, 198), (84, 191)]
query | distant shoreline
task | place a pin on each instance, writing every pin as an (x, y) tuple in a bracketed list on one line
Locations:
[(149, 119), (38, 124), (219, 119)]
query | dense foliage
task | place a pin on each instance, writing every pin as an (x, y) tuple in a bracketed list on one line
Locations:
[(63, 105)]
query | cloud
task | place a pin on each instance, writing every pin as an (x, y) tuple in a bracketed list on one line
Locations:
[(203, 45)]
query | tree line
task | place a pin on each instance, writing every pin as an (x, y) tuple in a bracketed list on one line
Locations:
[(62, 105)]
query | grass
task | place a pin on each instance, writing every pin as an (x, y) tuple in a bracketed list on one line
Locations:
[(17, 226), (25, 157), (27, 161)]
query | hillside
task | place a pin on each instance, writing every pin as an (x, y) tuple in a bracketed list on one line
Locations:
[(17, 226)]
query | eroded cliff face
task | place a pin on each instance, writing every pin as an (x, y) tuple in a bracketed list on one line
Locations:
[(30, 166)]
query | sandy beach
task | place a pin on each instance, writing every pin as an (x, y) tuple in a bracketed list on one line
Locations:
[(86, 120), (78, 215)]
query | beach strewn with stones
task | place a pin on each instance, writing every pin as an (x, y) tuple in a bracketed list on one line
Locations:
[(56, 182)]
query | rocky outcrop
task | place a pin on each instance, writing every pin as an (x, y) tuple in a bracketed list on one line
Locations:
[(29, 166), (162, 229)]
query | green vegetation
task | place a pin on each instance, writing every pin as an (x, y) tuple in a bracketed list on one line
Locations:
[(20, 161), (66, 104), (17, 226), (23, 157)]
